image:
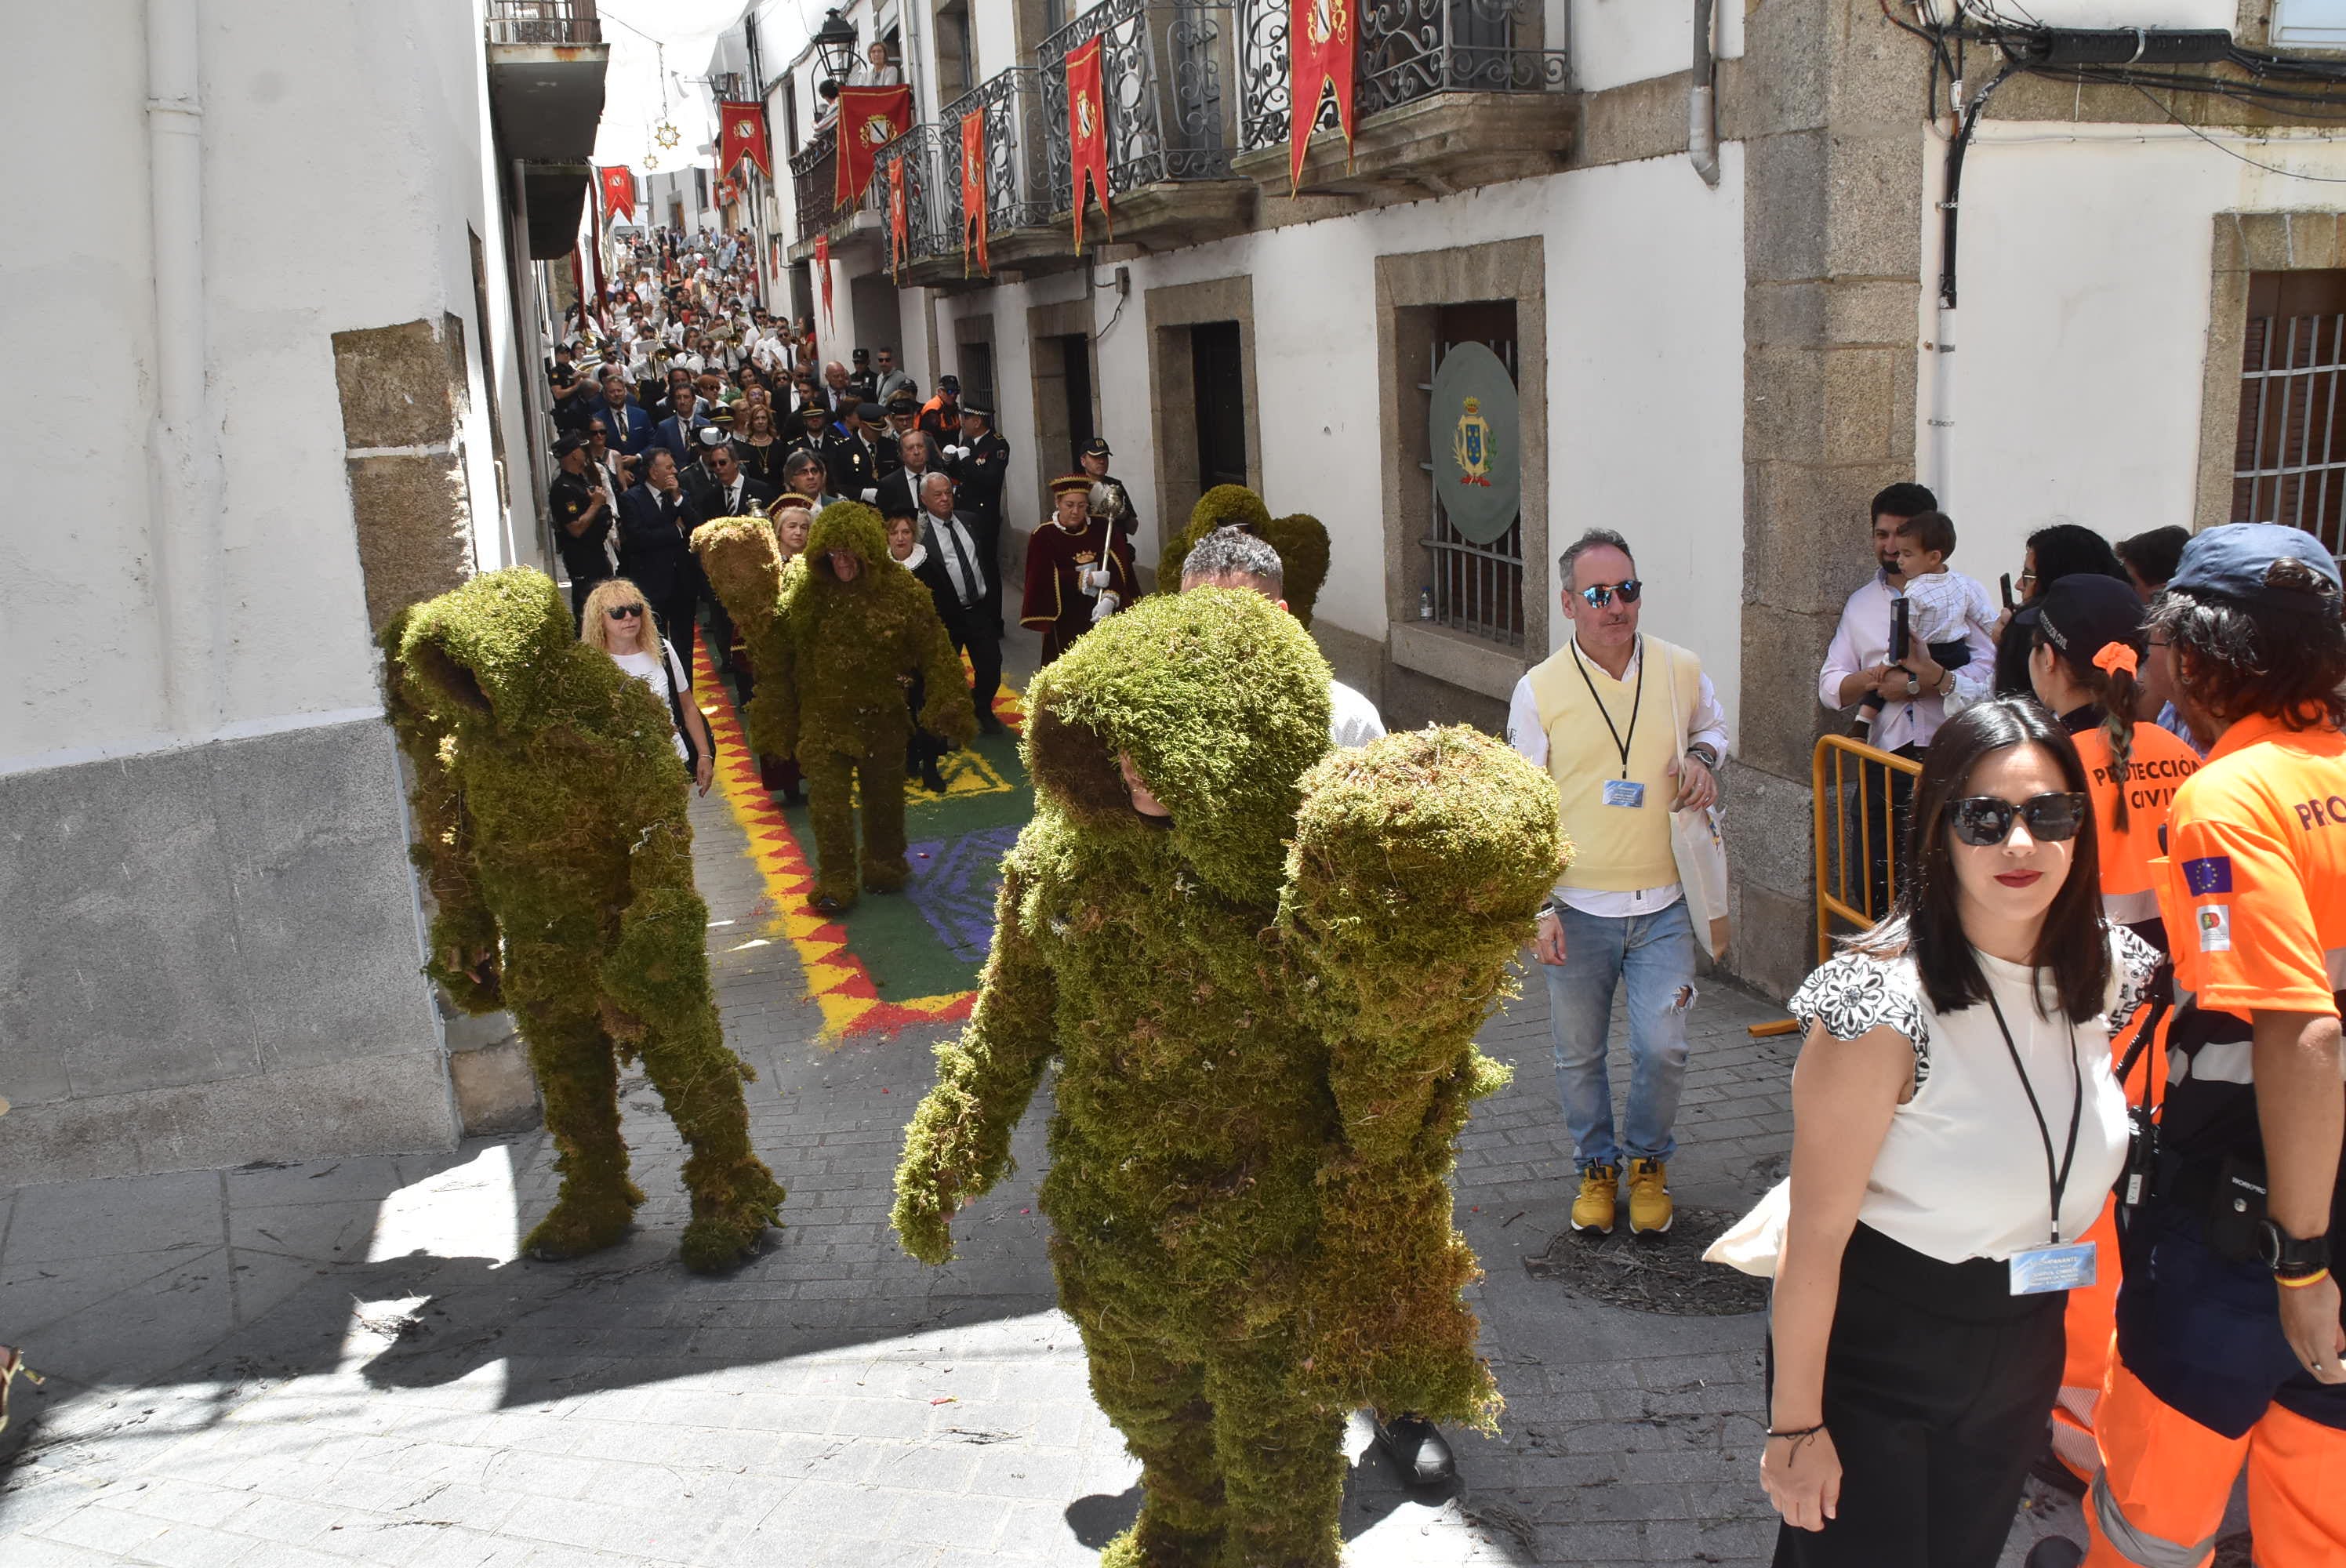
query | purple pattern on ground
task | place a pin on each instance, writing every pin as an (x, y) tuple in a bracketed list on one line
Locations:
[(954, 888)]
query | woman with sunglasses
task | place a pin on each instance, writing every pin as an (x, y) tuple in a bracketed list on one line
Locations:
[(619, 622), (1955, 1130)]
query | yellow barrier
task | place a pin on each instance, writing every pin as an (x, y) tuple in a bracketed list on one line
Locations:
[(1837, 847)]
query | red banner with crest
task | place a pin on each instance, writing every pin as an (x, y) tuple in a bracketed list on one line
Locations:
[(1322, 44), (822, 271), (1088, 132), (900, 228), (972, 191), (741, 133), (869, 119), (619, 190)]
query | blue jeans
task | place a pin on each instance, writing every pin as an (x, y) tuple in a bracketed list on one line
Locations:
[(1654, 954)]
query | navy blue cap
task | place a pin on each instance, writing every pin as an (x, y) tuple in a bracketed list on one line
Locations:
[(2232, 562), (2084, 612)]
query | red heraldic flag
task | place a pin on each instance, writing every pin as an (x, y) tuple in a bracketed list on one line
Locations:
[(869, 119), (619, 190), (822, 270), (741, 133), (899, 237), (972, 189), (1321, 46), (1087, 133)]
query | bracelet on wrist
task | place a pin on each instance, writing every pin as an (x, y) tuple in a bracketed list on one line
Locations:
[(1797, 1432), (2299, 1281)]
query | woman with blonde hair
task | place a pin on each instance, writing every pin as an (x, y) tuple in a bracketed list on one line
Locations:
[(759, 445), (619, 620)]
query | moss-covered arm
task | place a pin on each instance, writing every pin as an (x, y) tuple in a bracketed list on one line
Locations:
[(958, 1145), (746, 571), (464, 959)]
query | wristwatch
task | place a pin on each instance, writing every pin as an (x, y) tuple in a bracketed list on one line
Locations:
[(1913, 686), (1703, 754), (2289, 1257)]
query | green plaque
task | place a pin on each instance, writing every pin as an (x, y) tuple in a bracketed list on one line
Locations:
[(1473, 434)]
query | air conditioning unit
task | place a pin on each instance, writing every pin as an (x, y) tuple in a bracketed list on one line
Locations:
[(2309, 24)]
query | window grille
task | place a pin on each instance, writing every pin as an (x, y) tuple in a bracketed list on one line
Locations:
[(1477, 589), (2290, 462)]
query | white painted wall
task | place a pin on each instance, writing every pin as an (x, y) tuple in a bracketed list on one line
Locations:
[(308, 231), (1645, 413), (2085, 276), (2221, 14), (1616, 42)]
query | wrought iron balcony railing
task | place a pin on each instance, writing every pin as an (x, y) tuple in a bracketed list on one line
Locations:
[(1016, 135), (928, 155), (1409, 49), (1161, 70), (814, 183), (544, 22)]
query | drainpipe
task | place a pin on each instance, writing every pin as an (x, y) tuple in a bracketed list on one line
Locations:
[(183, 465), (1702, 100)]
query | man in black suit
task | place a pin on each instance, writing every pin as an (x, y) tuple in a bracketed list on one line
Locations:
[(900, 492), (853, 461), (656, 521), (979, 465), (959, 544)]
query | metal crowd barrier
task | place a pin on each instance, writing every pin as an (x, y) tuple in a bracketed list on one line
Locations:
[(1849, 776)]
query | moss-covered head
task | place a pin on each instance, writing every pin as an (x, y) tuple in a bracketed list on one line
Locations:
[(1300, 540), (851, 528), (494, 648), (1220, 700)]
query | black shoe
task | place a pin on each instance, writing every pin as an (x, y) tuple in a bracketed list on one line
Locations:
[(793, 796), (988, 725), (1416, 1445), (931, 780), (2056, 1551), (2049, 1472)]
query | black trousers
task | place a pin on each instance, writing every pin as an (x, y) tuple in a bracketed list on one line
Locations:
[(583, 583), (1938, 1385), (984, 646)]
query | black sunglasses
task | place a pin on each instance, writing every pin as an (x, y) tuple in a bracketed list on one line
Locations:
[(1602, 594), (624, 611), (1985, 821)]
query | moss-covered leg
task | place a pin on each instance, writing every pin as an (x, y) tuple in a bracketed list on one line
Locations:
[(833, 808), (1156, 1398), (881, 770), (734, 1196), (1281, 1459), (579, 1080)]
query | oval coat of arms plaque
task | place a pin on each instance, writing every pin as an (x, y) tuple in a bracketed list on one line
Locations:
[(1473, 434)]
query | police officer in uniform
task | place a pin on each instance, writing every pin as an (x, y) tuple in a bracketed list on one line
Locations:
[(582, 520), (852, 460), (814, 428), (1094, 459)]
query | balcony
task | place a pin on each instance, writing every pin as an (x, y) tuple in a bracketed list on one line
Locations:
[(546, 63), (929, 156), (1021, 233), (1169, 127), (1450, 94), (814, 188)]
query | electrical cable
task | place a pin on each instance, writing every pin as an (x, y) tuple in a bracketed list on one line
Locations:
[(2228, 152)]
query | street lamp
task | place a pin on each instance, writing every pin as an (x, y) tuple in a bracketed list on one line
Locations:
[(836, 44)]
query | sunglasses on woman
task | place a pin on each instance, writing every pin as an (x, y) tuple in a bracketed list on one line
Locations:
[(624, 611), (1985, 820), (1602, 594)]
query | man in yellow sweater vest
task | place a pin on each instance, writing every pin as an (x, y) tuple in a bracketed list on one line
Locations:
[(1586, 714)]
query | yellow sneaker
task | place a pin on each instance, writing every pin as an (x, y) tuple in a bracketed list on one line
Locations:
[(1599, 1192), (1650, 1211)]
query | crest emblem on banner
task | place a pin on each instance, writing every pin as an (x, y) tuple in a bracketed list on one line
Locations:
[(1470, 444), (879, 131)]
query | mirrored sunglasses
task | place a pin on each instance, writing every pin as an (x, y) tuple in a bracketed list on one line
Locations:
[(1601, 595), (1983, 820)]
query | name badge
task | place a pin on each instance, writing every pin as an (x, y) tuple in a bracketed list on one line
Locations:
[(1624, 792), (2040, 1269)]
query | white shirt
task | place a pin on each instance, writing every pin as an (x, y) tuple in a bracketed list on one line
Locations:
[(1863, 641), (1352, 718), (958, 551), (646, 668), (1708, 724), (1961, 1173)]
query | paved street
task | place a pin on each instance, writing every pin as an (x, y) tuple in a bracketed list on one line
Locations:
[(345, 1361)]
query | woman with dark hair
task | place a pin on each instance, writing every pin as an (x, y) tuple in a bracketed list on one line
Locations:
[(2062, 550), (1956, 1128)]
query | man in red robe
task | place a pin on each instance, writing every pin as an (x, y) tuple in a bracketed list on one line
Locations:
[(1078, 568)]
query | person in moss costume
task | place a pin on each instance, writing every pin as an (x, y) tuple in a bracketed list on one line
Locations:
[(550, 811), (834, 644), (1300, 540), (1260, 967)]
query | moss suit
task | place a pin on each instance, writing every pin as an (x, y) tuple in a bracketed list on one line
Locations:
[(1300, 539), (1263, 1013), (550, 808), (832, 659)]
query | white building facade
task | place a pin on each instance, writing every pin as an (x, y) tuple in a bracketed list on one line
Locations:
[(1723, 318), (289, 326)]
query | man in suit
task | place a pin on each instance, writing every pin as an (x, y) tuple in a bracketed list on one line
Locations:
[(892, 382), (958, 548), (979, 465), (630, 427), (656, 520), (724, 489), (853, 461), (676, 431), (900, 492), (836, 397)]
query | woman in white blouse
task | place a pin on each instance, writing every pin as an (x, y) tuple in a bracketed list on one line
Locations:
[(1955, 1129), (618, 621)]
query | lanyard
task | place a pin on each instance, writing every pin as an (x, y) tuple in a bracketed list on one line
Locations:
[(2059, 1181), (1637, 697)]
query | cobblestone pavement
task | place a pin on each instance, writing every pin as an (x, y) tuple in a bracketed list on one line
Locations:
[(345, 1362)]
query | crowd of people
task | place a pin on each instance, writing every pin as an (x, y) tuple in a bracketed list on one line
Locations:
[(2067, 1114)]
